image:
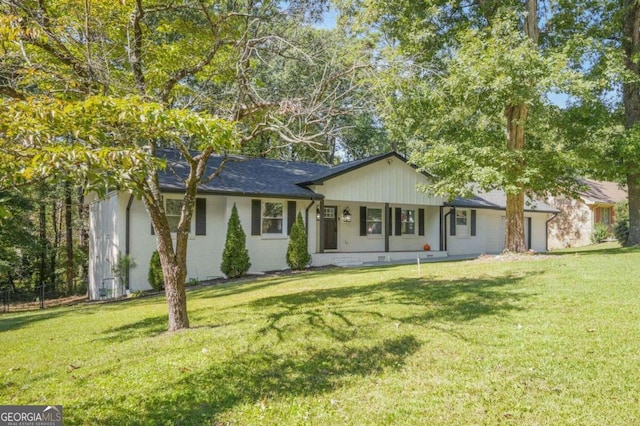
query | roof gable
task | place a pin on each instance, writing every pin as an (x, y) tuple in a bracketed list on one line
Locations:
[(340, 169), (601, 192)]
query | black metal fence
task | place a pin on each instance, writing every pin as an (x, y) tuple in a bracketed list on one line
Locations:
[(18, 299)]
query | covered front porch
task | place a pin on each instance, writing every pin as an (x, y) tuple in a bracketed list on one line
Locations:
[(373, 257)]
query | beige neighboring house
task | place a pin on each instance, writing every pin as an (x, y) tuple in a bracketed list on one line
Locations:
[(577, 218)]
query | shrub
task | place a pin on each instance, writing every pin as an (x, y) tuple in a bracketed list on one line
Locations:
[(600, 232), (621, 228), (298, 256), (235, 257), (155, 276)]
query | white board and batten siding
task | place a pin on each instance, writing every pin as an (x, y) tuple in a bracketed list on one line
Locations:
[(389, 180)]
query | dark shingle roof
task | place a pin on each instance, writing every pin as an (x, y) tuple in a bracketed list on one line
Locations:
[(497, 200), (243, 176), (247, 176)]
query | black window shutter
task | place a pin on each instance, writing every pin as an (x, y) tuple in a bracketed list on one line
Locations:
[(291, 215), (398, 220), (452, 231), (473, 223), (420, 221), (256, 212), (529, 233), (363, 221), (201, 216), (389, 221)]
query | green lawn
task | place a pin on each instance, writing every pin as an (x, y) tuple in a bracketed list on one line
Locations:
[(551, 340)]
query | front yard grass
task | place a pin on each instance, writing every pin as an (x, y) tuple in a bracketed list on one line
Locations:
[(550, 340)]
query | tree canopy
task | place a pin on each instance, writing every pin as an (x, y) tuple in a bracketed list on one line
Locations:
[(92, 87), (465, 87)]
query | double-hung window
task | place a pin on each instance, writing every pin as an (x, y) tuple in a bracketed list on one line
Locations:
[(605, 215), (173, 211), (272, 219), (462, 222), (374, 221), (408, 220), (461, 217)]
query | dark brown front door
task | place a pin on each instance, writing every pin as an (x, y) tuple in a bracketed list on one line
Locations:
[(330, 227)]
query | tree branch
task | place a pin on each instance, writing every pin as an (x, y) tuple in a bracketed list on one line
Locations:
[(135, 51)]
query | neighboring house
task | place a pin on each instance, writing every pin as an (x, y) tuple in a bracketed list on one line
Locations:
[(574, 224), (362, 211)]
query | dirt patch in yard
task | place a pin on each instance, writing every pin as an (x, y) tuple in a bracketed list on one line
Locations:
[(510, 257)]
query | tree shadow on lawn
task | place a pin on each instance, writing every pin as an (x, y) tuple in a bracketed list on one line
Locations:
[(425, 301), (254, 378), (259, 376), (11, 321), (248, 284), (146, 327)]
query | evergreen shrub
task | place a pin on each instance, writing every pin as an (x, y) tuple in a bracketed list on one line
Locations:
[(235, 257)]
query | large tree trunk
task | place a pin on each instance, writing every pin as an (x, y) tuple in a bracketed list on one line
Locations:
[(516, 115), (514, 228), (174, 259), (174, 270), (633, 188), (631, 101)]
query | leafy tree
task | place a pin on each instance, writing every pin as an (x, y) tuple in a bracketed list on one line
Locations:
[(155, 276), (610, 113), (19, 244), (298, 256), (465, 88), (92, 88), (235, 257), (321, 55)]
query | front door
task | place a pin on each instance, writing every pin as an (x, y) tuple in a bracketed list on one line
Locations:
[(330, 228)]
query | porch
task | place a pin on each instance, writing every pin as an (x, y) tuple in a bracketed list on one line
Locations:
[(362, 258)]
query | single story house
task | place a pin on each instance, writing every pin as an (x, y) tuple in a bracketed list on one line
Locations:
[(361, 211), (575, 223)]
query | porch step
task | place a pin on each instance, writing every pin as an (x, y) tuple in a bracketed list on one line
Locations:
[(348, 264), (374, 258)]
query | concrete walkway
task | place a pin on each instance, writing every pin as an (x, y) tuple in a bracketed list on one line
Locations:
[(450, 258)]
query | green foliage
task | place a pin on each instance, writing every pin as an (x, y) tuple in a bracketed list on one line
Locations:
[(298, 256), (621, 227), (457, 117), (155, 277), (123, 266), (235, 257), (91, 92), (600, 233)]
